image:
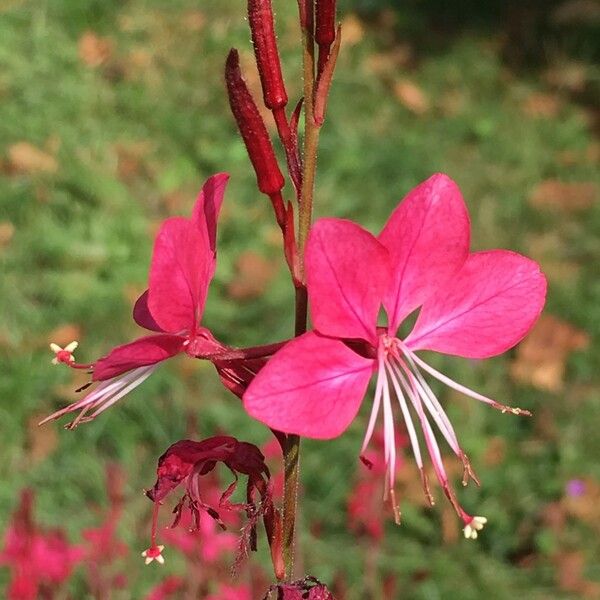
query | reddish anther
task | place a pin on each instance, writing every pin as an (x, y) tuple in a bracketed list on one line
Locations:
[(252, 128), (260, 17)]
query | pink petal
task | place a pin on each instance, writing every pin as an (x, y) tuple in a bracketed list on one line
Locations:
[(313, 387), (142, 352), (141, 314), (208, 205), (181, 269), (427, 236), (488, 307), (347, 273)]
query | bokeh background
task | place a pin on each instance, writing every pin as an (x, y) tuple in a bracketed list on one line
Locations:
[(111, 116)]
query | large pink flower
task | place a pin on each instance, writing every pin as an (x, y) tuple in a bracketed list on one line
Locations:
[(182, 267), (474, 305)]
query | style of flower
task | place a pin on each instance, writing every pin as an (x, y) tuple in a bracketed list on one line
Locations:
[(474, 305), (182, 267), (187, 461)]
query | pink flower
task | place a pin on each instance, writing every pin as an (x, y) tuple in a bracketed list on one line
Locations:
[(35, 557), (474, 305), (231, 592), (182, 267)]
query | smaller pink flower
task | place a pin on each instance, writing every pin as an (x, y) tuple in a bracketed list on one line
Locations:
[(474, 305), (182, 267)]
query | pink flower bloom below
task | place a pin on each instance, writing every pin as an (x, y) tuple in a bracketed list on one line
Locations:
[(182, 267), (474, 305), (231, 592), (36, 558)]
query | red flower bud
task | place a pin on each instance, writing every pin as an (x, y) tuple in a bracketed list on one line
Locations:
[(254, 133), (325, 22), (260, 17)]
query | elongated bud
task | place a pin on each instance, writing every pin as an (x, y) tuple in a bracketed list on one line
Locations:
[(254, 133), (260, 17), (325, 22)]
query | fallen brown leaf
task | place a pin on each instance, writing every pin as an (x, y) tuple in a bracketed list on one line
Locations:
[(570, 566), (27, 158), (541, 358), (194, 20), (540, 105), (94, 51), (64, 334), (495, 452), (572, 76), (253, 274), (411, 96), (353, 30), (7, 230), (564, 196), (41, 441)]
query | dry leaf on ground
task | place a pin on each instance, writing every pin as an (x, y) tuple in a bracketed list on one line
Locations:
[(564, 196), (41, 441), (27, 158), (94, 51), (542, 357), (7, 230), (353, 31), (542, 105), (253, 274), (411, 96), (64, 334)]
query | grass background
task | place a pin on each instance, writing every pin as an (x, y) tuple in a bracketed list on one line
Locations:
[(111, 116)]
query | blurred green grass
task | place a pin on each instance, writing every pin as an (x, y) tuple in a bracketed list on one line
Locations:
[(134, 137)]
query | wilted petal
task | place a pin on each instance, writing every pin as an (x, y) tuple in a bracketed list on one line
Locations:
[(181, 269), (140, 353), (347, 273), (427, 237), (488, 307), (142, 315), (313, 387), (208, 205)]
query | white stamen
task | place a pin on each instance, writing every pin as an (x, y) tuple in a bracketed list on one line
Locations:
[(434, 407), (388, 428), (374, 411), (412, 434), (461, 388)]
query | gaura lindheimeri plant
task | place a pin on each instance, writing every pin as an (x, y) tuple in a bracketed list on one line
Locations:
[(474, 305)]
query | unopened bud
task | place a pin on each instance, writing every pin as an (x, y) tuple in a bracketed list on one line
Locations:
[(260, 17), (254, 132), (325, 22)]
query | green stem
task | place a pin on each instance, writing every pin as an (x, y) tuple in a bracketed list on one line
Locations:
[(291, 455)]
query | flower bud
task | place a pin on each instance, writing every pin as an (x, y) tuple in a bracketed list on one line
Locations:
[(260, 17), (325, 22), (254, 133)]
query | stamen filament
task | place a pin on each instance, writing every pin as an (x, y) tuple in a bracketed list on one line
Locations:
[(461, 388)]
